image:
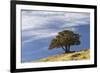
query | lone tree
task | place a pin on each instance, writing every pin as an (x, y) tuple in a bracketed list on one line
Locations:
[(65, 39)]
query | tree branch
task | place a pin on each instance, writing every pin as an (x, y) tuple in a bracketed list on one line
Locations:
[(62, 46)]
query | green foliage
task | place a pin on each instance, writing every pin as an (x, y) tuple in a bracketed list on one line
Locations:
[(65, 39)]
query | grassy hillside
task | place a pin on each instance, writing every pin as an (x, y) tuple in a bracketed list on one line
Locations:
[(80, 55)]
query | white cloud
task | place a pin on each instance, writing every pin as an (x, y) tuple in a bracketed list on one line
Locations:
[(40, 19), (38, 13), (32, 22), (40, 24), (39, 36)]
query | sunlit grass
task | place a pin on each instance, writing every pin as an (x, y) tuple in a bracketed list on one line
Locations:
[(80, 55)]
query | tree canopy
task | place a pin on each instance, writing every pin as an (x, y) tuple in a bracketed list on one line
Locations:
[(65, 39)]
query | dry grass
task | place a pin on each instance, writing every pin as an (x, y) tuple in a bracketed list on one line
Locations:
[(81, 55)]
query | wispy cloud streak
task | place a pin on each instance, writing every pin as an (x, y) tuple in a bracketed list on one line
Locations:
[(45, 24)]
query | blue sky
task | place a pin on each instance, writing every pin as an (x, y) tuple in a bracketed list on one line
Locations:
[(39, 27)]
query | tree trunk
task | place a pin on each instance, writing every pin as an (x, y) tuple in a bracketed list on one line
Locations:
[(67, 48)]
